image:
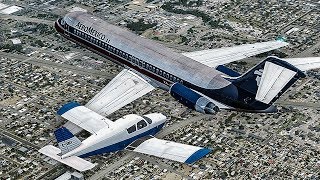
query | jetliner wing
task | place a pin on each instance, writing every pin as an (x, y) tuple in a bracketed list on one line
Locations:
[(120, 91), (304, 64), (168, 149), (220, 56), (84, 117), (73, 161)]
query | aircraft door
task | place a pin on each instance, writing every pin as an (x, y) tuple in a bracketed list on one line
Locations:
[(65, 27)]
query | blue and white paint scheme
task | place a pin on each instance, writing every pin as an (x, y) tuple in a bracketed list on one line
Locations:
[(131, 132), (148, 65)]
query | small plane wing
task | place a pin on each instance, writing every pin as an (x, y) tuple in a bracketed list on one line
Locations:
[(120, 91), (304, 64), (73, 161), (84, 117), (168, 149), (220, 56)]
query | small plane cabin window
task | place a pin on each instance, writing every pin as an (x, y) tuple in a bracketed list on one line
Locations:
[(160, 72), (143, 64), (141, 124), (140, 63), (132, 129), (147, 119)]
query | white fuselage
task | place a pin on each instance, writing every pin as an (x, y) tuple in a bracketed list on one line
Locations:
[(122, 133)]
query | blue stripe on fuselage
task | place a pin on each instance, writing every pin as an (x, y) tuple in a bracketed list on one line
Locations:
[(123, 144)]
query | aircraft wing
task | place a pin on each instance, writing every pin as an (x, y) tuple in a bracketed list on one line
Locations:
[(168, 149), (220, 56), (84, 117), (304, 64), (120, 91)]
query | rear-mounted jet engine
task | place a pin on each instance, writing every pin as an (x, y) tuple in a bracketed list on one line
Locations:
[(193, 99)]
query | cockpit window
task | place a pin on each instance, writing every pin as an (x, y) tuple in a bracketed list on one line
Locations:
[(141, 124), (132, 129), (147, 119)]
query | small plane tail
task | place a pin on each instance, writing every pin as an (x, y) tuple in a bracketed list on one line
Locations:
[(73, 161), (269, 79), (66, 140)]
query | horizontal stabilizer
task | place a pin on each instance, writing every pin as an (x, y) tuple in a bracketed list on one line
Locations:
[(169, 150), (304, 64), (274, 79), (73, 161)]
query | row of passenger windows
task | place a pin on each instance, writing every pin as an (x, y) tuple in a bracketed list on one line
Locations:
[(128, 57), (141, 124)]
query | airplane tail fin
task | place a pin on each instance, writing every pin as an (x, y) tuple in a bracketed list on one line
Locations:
[(66, 140), (269, 79)]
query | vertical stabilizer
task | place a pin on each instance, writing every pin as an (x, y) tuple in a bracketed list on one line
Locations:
[(66, 140), (268, 80)]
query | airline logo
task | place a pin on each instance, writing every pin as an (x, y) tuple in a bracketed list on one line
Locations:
[(92, 31)]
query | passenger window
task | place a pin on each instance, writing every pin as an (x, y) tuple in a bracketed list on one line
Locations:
[(141, 124), (132, 129), (147, 119)]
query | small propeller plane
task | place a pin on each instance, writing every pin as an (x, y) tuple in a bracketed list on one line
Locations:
[(131, 132)]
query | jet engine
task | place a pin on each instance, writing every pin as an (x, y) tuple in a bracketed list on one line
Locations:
[(192, 99)]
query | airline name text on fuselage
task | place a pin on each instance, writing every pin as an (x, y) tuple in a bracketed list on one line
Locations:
[(93, 32)]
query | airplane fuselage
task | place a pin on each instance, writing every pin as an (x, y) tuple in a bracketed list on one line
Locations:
[(125, 131), (161, 64)]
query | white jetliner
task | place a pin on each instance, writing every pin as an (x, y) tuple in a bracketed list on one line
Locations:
[(131, 132), (196, 79)]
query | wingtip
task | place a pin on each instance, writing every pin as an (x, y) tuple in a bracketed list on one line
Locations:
[(67, 107), (198, 155)]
